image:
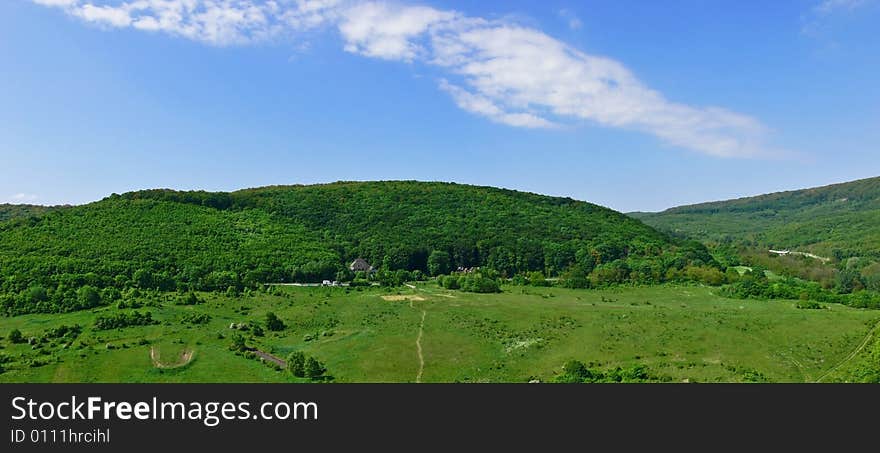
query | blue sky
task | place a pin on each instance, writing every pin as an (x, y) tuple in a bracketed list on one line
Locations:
[(629, 104)]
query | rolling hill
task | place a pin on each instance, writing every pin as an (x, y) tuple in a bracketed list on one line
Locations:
[(169, 240), (15, 211), (840, 220)]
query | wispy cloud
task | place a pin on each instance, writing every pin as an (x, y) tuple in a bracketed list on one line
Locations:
[(815, 18), (507, 72), (23, 198), (830, 6), (571, 19)]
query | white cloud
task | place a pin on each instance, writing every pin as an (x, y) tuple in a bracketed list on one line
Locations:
[(56, 2), (104, 14), (509, 73), (831, 6), (379, 30), (481, 105), (571, 19), (814, 21)]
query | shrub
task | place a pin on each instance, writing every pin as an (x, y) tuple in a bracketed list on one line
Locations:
[(190, 299), (196, 318), (809, 305), (537, 279), (120, 320), (314, 368), (15, 337), (238, 343), (273, 323), (296, 364)]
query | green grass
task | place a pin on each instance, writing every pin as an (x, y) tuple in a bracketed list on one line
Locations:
[(678, 332)]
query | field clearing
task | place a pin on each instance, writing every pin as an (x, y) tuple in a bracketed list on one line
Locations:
[(679, 333)]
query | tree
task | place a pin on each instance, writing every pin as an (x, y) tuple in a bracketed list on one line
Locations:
[(576, 368), (36, 294), (296, 364), (273, 323), (438, 263), (88, 297), (238, 343), (16, 337), (536, 278), (314, 368), (143, 278), (190, 299), (575, 278)]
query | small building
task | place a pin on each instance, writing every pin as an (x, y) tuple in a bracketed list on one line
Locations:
[(360, 265)]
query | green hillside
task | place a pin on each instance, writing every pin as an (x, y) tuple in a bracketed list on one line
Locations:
[(836, 221), (84, 256), (16, 211)]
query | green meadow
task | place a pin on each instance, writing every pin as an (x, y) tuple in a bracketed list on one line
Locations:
[(677, 333)]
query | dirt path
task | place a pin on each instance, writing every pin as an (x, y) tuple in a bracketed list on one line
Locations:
[(419, 347), (271, 358), (185, 357), (853, 354), (421, 332)]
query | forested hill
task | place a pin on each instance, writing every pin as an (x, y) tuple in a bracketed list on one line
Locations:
[(168, 240), (16, 211), (838, 220)]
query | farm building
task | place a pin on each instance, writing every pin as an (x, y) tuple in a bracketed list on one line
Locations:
[(360, 265)]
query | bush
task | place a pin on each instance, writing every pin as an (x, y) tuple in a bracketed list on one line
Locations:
[(273, 323), (296, 364), (809, 305), (449, 281), (575, 278), (576, 372), (120, 320), (537, 279), (196, 318), (15, 337), (238, 343), (314, 368), (190, 299)]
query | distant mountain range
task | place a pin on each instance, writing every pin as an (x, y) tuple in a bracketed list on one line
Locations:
[(839, 220)]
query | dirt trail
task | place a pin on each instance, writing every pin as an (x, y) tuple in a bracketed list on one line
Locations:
[(419, 347), (271, 358), (853, 354), (421, 332), (185, 357)]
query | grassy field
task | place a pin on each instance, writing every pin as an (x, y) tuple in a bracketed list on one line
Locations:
[(679, 333)]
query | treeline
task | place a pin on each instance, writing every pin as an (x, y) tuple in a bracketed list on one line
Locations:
[(755, 285), (122, 320), (22, 211)]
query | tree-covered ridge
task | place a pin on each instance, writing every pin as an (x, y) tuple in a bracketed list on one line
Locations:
[(168, 240), (840, 220), (406, 221), (18, 211)]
